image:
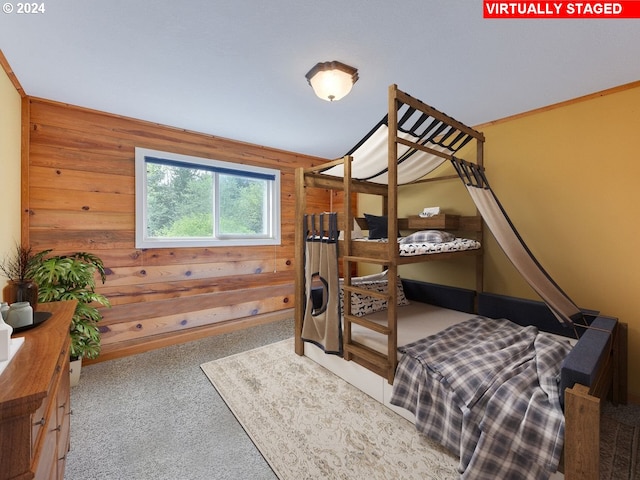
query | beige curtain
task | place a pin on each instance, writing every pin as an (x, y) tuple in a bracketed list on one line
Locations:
[(322, 323), (512, 244)]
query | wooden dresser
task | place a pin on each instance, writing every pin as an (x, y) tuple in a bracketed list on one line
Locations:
[(34, 400)]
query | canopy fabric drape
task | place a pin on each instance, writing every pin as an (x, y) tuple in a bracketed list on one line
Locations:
[(370, 160), (512, 244), (322, 323), (370, 155), (426, 138)]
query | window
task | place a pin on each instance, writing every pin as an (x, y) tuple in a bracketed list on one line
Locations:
[(184, 201)]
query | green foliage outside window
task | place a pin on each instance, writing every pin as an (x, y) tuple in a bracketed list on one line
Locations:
[(186, 201), (241, 205), (179, 201)]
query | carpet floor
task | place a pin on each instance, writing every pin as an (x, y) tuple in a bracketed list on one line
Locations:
[(154, 416), (620, 442)]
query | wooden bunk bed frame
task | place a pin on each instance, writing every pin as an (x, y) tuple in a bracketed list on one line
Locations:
[(604, 374), (385, 254)]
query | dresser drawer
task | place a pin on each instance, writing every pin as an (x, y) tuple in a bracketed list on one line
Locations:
[(64, 414), (40, 416), (46, 459)]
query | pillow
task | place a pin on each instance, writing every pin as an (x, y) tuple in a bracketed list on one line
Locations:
[(429, 236), (369, 278), (355, 233), (365, 304), (377, 226)]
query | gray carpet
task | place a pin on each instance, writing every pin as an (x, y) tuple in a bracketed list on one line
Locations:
[(620, 442), (155, 416)]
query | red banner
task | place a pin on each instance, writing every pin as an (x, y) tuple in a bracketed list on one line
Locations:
[(560, 9)]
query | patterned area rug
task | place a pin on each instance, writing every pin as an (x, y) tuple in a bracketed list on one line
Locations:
[(310, 424), (620, 442)]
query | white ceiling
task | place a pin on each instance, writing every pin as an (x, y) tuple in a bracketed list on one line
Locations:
[(235, 68)]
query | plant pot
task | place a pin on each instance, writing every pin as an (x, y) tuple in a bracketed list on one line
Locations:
[(21, 291), (74, 371)]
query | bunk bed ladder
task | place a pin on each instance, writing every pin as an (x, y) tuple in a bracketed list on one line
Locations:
[(382, 364), (356, 351)]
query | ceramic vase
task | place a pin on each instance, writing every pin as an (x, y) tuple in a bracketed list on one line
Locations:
[(21, 291), (20, 315)]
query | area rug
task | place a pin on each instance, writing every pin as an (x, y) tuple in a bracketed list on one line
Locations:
[(309, 424)]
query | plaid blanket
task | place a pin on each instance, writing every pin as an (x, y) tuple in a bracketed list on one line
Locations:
[(488, 391)]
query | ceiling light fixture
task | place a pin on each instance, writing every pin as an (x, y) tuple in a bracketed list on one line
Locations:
[(332, 80)]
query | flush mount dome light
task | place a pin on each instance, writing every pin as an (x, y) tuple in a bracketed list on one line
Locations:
[(332, 80)]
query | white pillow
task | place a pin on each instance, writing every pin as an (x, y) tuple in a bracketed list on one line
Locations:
[(373, 277), (429, 236), (355, 233)]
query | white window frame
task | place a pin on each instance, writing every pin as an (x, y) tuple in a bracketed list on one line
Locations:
[(272, 202)]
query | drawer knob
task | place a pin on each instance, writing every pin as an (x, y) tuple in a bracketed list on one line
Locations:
[(40, 422)]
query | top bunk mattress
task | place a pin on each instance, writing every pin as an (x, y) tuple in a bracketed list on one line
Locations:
[(410, 249)]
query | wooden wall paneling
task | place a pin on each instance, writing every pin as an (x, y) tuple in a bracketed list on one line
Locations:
[(67, 179), (61, 220), (129, 295), (74, 127), (80, 201), (142, 321), (179, 272), (160, 340), (81, 197), (44, 155), (81, 240)]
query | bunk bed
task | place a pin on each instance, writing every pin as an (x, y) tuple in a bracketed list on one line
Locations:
[(416, 139)]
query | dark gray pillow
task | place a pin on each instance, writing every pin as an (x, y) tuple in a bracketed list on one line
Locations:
[(377, 226)]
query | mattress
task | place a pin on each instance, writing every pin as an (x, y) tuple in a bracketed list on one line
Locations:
[(414, 249), (415, 321)]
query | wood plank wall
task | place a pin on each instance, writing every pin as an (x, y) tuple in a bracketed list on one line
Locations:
[(80, 197)]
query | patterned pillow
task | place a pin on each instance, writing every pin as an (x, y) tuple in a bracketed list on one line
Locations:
[(365, 304), (429, 236)]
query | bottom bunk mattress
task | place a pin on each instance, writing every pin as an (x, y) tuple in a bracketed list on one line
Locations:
[(488, 391), (416, 320)]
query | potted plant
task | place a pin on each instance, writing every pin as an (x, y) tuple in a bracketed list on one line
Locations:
[(73, 277), (17, 267)]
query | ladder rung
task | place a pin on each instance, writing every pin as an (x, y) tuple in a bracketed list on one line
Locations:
[(376, 261), (365, 292), (376, 327), (368, 354)]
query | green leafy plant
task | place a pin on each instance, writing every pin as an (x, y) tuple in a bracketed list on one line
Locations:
[(73, 277)]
